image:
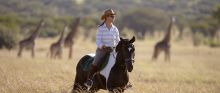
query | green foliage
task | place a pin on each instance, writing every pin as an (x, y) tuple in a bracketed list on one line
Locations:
[(206, 25), (9, 30), (205, 30), (8, 38), (214, 43), (10, 21), (138, 15), (145, 19), (198, 39), (89, 22), (216, 12), (55, 25)]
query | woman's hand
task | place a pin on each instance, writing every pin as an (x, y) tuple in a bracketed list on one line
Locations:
[(103, 46), (106, 49)]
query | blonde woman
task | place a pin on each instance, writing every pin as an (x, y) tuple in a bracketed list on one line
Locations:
[(107, 37)]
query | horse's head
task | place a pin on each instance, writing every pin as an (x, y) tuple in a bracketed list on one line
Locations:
[(126, 50)]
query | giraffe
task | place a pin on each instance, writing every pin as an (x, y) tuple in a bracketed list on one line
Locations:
[(29, 43), (164, 44), (69, 38), (56, 48)]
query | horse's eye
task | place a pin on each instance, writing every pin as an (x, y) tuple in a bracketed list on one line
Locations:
[(132, 50)]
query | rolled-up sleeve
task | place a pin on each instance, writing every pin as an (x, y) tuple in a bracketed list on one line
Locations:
[(99, 38), (117, 35)]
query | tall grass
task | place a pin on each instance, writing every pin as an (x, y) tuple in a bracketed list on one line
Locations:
[(191, 70)]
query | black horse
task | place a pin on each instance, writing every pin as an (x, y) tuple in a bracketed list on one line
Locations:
[(118, 76)]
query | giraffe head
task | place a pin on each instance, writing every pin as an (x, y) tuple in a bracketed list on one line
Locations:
[(173, 19), (42, 23)]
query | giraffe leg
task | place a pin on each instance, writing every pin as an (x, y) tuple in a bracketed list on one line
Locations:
[(54, 56), (60, 54), (156, 53), (32, 52), (167, 55), (51, 53), (20, 51), (70, 51)]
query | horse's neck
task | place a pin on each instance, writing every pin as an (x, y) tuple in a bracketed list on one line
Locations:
[(119, 60)]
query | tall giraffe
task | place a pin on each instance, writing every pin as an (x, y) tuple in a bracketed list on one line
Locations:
[(29, 42), (56, 48), (69, 39), (164, 44)]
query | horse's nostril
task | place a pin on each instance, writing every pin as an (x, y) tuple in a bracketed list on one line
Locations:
[(131, 68)]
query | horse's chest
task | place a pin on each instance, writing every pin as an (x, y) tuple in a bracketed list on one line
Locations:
[(118, 77)]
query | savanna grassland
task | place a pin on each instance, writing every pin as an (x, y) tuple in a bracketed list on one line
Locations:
[(191, 70)]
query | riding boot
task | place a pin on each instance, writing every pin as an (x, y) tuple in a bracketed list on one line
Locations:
[(91, 73)]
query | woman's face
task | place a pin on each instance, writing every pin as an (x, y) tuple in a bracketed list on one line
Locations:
[(111, 18)]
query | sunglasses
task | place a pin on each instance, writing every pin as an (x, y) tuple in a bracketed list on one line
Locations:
[(112, 16)]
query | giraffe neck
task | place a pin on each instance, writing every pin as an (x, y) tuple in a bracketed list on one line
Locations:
[(36, 32), (73, 30), (62, 35), (167, 36)]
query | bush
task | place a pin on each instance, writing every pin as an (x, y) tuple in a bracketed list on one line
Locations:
[(8, 38), (198, 38), (213, 43)]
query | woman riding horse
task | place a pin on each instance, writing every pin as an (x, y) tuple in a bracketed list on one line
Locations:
[(118, 78), (107, 38)]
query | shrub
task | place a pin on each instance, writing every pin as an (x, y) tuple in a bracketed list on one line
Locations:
[(8, 38)]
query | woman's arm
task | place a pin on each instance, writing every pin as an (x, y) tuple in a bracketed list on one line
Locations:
[(117, 35), (99, 39)]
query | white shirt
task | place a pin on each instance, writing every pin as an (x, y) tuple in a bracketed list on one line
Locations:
[(108, 37)]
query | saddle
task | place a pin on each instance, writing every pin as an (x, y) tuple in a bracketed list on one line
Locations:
[(87, 64)]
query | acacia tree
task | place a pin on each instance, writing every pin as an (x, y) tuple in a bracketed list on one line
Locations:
[(144, 20), (216, 13)]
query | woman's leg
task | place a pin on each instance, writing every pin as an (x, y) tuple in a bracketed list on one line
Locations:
[(97, 60)]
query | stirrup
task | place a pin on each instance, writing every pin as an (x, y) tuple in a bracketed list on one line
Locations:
[(88, 83)]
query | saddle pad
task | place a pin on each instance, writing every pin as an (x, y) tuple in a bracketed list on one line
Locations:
[(87, 65)]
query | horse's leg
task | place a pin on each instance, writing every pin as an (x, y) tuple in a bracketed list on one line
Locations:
[(79, 81), (81, 77), (77, 86), (117, 90), (75, 91)]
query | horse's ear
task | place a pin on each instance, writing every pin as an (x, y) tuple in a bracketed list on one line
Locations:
[(132, 40), (121, 39)]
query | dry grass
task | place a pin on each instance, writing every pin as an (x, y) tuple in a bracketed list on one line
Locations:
[(192, 70)]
